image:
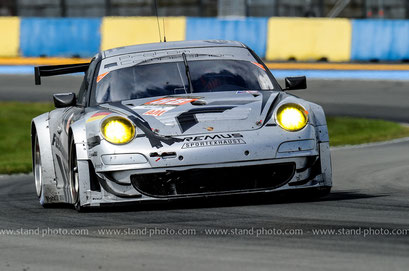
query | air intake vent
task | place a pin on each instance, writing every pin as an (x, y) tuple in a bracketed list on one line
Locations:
[(211, 181)]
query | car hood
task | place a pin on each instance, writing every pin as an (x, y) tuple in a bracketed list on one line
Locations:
[(198, 113)]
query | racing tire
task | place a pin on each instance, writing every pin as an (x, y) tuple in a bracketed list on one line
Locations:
[(74, 179), (37, 172)]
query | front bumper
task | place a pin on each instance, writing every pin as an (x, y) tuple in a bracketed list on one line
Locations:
[(254, 167)]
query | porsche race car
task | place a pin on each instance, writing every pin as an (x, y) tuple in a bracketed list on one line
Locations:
[(177, 120)]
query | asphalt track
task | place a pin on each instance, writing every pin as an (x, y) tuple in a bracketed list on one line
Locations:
[(368, 209)]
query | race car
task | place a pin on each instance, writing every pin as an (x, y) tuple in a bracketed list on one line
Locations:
[(174, 120)]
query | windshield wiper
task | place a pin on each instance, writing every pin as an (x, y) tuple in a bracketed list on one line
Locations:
[(189, 79)]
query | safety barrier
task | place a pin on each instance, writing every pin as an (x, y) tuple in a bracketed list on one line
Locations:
[(122, 31), (59, 37), (10, 34), (308, 39), (250, 31), (380, 40), (301, 39)]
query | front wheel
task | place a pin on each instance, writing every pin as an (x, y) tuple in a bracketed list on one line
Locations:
[(74, 177)]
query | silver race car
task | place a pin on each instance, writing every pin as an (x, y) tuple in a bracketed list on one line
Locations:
[(174, 120)]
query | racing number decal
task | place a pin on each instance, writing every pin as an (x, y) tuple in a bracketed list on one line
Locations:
[(160, 106), (170, 101), (156, 112)]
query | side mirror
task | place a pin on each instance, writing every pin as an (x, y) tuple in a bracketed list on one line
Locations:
[(292, 83), (64, 100)]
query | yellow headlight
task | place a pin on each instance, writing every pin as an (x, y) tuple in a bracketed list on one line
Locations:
[(292, 117), (118, 130)]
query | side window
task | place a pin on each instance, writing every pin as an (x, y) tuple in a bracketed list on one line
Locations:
[(86, 83), (81, 99), (90, 73)]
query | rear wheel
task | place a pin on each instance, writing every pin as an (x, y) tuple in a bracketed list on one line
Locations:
[(37, 167), (37, 170)]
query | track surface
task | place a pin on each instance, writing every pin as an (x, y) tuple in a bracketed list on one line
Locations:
[(371, 190)]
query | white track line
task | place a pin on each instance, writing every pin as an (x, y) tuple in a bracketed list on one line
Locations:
[(375, 144)]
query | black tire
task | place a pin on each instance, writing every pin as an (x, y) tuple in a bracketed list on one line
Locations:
[(37, 172), (74, 176)]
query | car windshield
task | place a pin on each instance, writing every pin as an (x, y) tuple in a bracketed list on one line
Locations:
[(161, 79)]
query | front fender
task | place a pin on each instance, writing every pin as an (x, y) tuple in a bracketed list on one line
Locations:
[(40, 127), (80, 139), (78, 132)]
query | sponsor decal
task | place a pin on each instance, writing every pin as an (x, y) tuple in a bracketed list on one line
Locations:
[(222, 142), (53, 198), (172, 101), (157, 112), (101, 76), (213, 140), (98, 116)]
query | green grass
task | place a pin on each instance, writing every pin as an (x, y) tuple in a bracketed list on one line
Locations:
[(352, 131), (15, 145)]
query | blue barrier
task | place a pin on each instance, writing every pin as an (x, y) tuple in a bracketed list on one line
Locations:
[(59, 37), (250, 31), (385, 40)]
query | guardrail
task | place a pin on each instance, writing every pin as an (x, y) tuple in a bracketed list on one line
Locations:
[(275, 39)]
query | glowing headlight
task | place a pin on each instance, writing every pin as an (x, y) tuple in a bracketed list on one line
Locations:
[(118, 130), (292, 117)]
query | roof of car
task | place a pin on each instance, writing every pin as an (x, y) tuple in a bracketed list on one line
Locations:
[(170, 45)]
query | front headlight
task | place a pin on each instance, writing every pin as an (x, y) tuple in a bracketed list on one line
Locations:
[(292, 117), (118, 130)]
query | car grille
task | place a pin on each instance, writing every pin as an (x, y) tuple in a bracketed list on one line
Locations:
[(214, 180)]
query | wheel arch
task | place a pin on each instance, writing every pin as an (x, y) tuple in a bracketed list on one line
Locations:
[(318, 114), (321, 129), (77, 133), (40, 128), (50, 192)]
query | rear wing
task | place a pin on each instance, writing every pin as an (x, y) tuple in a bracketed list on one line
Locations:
[(41, 71)]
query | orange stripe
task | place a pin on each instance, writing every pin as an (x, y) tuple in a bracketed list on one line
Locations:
[(259, 65), (97, 116), (272, 65), (100, 114), (337, 66), (99, 78), (41, 60)]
